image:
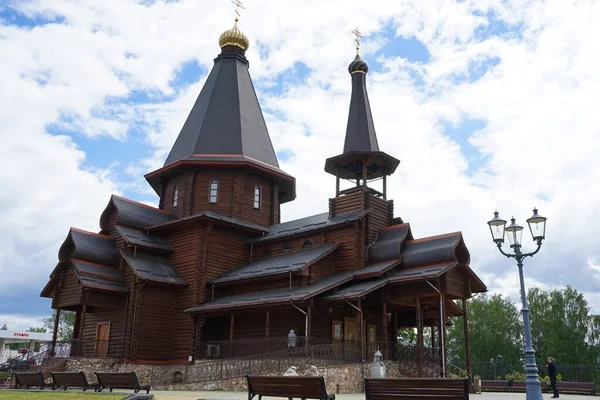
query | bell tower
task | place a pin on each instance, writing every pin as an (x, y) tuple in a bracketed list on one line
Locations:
[(362, 163), (223, 160)]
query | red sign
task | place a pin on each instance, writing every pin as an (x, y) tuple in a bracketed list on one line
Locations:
[(19, 334), (23, 351)]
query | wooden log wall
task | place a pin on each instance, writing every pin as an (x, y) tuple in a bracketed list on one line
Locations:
[(455, 283), (92, 319), (250, 325), (379, 217), (183, 183), (154, 330), (187, 244), (69, 291), (275, 248), (224, 252), (322, 268), (347, 203), (350, 249), (281, 281)]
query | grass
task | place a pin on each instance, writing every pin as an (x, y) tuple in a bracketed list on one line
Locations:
[(12, 395)]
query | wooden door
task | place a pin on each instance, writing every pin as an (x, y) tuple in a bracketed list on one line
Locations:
[(351, 339), (102, 337), (371, 341), (337, 337)]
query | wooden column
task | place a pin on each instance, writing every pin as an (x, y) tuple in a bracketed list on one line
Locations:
[(395, 317), (364, 175), (80, 341), (361, 332), (467, 339), (384, 186), (433, 336), (55, 331), (442, 334), (419, 338), (197, 346), (386, 332), (268, 324), (308, 324), (231, 326)]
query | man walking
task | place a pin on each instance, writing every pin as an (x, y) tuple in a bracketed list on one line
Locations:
[(552, 375)]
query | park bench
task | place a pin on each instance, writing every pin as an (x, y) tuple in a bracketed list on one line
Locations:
[(494, 386), (416, 388), (29, 379), (72, 379), (520, 386), (576, 387), (303, 387), (120, 380)]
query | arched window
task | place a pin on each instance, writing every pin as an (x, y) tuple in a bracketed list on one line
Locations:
[(257, 193), (286, 247), (307, 243), (175, 195), (214, 191)]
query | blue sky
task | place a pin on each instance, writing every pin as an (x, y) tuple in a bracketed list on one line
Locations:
[(488, 105)]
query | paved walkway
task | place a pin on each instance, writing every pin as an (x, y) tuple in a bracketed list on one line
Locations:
[(168, 395)]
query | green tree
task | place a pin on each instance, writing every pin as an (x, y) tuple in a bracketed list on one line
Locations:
[(494, 327), (407, 337), (40, 329), (65, 325)]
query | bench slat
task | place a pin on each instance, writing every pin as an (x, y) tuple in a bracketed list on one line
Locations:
[(306, 387), (420, 388)]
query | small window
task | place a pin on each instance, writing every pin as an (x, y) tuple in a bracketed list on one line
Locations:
[(214, 191), (307, 243), (175, 195), (286, 247), (257, 191)]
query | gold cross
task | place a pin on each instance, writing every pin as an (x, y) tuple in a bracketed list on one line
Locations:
[(238, 5), (358, 36)]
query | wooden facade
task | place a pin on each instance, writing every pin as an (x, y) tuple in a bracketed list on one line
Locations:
[(212, 272)]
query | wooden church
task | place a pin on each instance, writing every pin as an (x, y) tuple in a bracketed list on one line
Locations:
[(213, 272)]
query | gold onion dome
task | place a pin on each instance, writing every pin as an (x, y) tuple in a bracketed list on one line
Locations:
[(234, 37)]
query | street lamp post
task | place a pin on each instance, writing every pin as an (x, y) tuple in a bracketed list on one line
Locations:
[(537, 226)]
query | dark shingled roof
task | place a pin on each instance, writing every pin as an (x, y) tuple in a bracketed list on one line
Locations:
[(425, 271), (430, 250), (307, 224), (136, 237), (285, 263), (356, 290), (388, 244), (90, 247), (102, 277), (360, 132), (216, 217), (226, 118), (153, 268), (133, 214), (268, 297), (374, 270)]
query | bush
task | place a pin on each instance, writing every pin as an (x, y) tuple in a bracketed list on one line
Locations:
[(515, 376)]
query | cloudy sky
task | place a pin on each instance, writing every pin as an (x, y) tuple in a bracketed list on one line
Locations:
[(488, 104)]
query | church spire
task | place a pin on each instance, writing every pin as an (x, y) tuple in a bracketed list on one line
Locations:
[(361, 161)]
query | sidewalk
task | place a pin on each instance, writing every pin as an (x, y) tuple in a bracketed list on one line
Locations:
[(168, 395)]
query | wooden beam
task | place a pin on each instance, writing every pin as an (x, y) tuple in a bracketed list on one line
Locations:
[(395, 333), (384, 186), (433, 336), (337, 181), (231, 326), (364, 175), (55, 331), (361, 332), (386, 332), (308, 324), (467, 339), (442, 335), (419, 316)]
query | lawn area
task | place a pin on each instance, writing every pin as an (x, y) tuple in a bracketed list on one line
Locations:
[(9, 394)]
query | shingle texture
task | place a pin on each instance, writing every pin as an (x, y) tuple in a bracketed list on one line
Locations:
[(288, 262), (217, 217), (424, 271), (102, 277), (266, 297), (388, 244), (307, 224), (360, 132), (377, 269), (133, 214), (137, 237), (91, 247), (226, 118), (430, 250), (356, 290), (153, 268)]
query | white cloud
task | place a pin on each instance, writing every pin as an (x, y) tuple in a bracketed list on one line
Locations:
[(537, 101)]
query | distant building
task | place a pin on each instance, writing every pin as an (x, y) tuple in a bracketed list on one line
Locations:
[(212, 272)]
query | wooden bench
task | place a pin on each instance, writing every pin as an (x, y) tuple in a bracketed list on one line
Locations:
[(576, 387), (120, 380), (72, 379), (29, 379), (303, 387), (416, 388), (494, 386), (520, 386)]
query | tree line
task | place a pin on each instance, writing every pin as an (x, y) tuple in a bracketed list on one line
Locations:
[(562, 327)]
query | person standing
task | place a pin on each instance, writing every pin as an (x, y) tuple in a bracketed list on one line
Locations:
[(552, 375), (292, 339)]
